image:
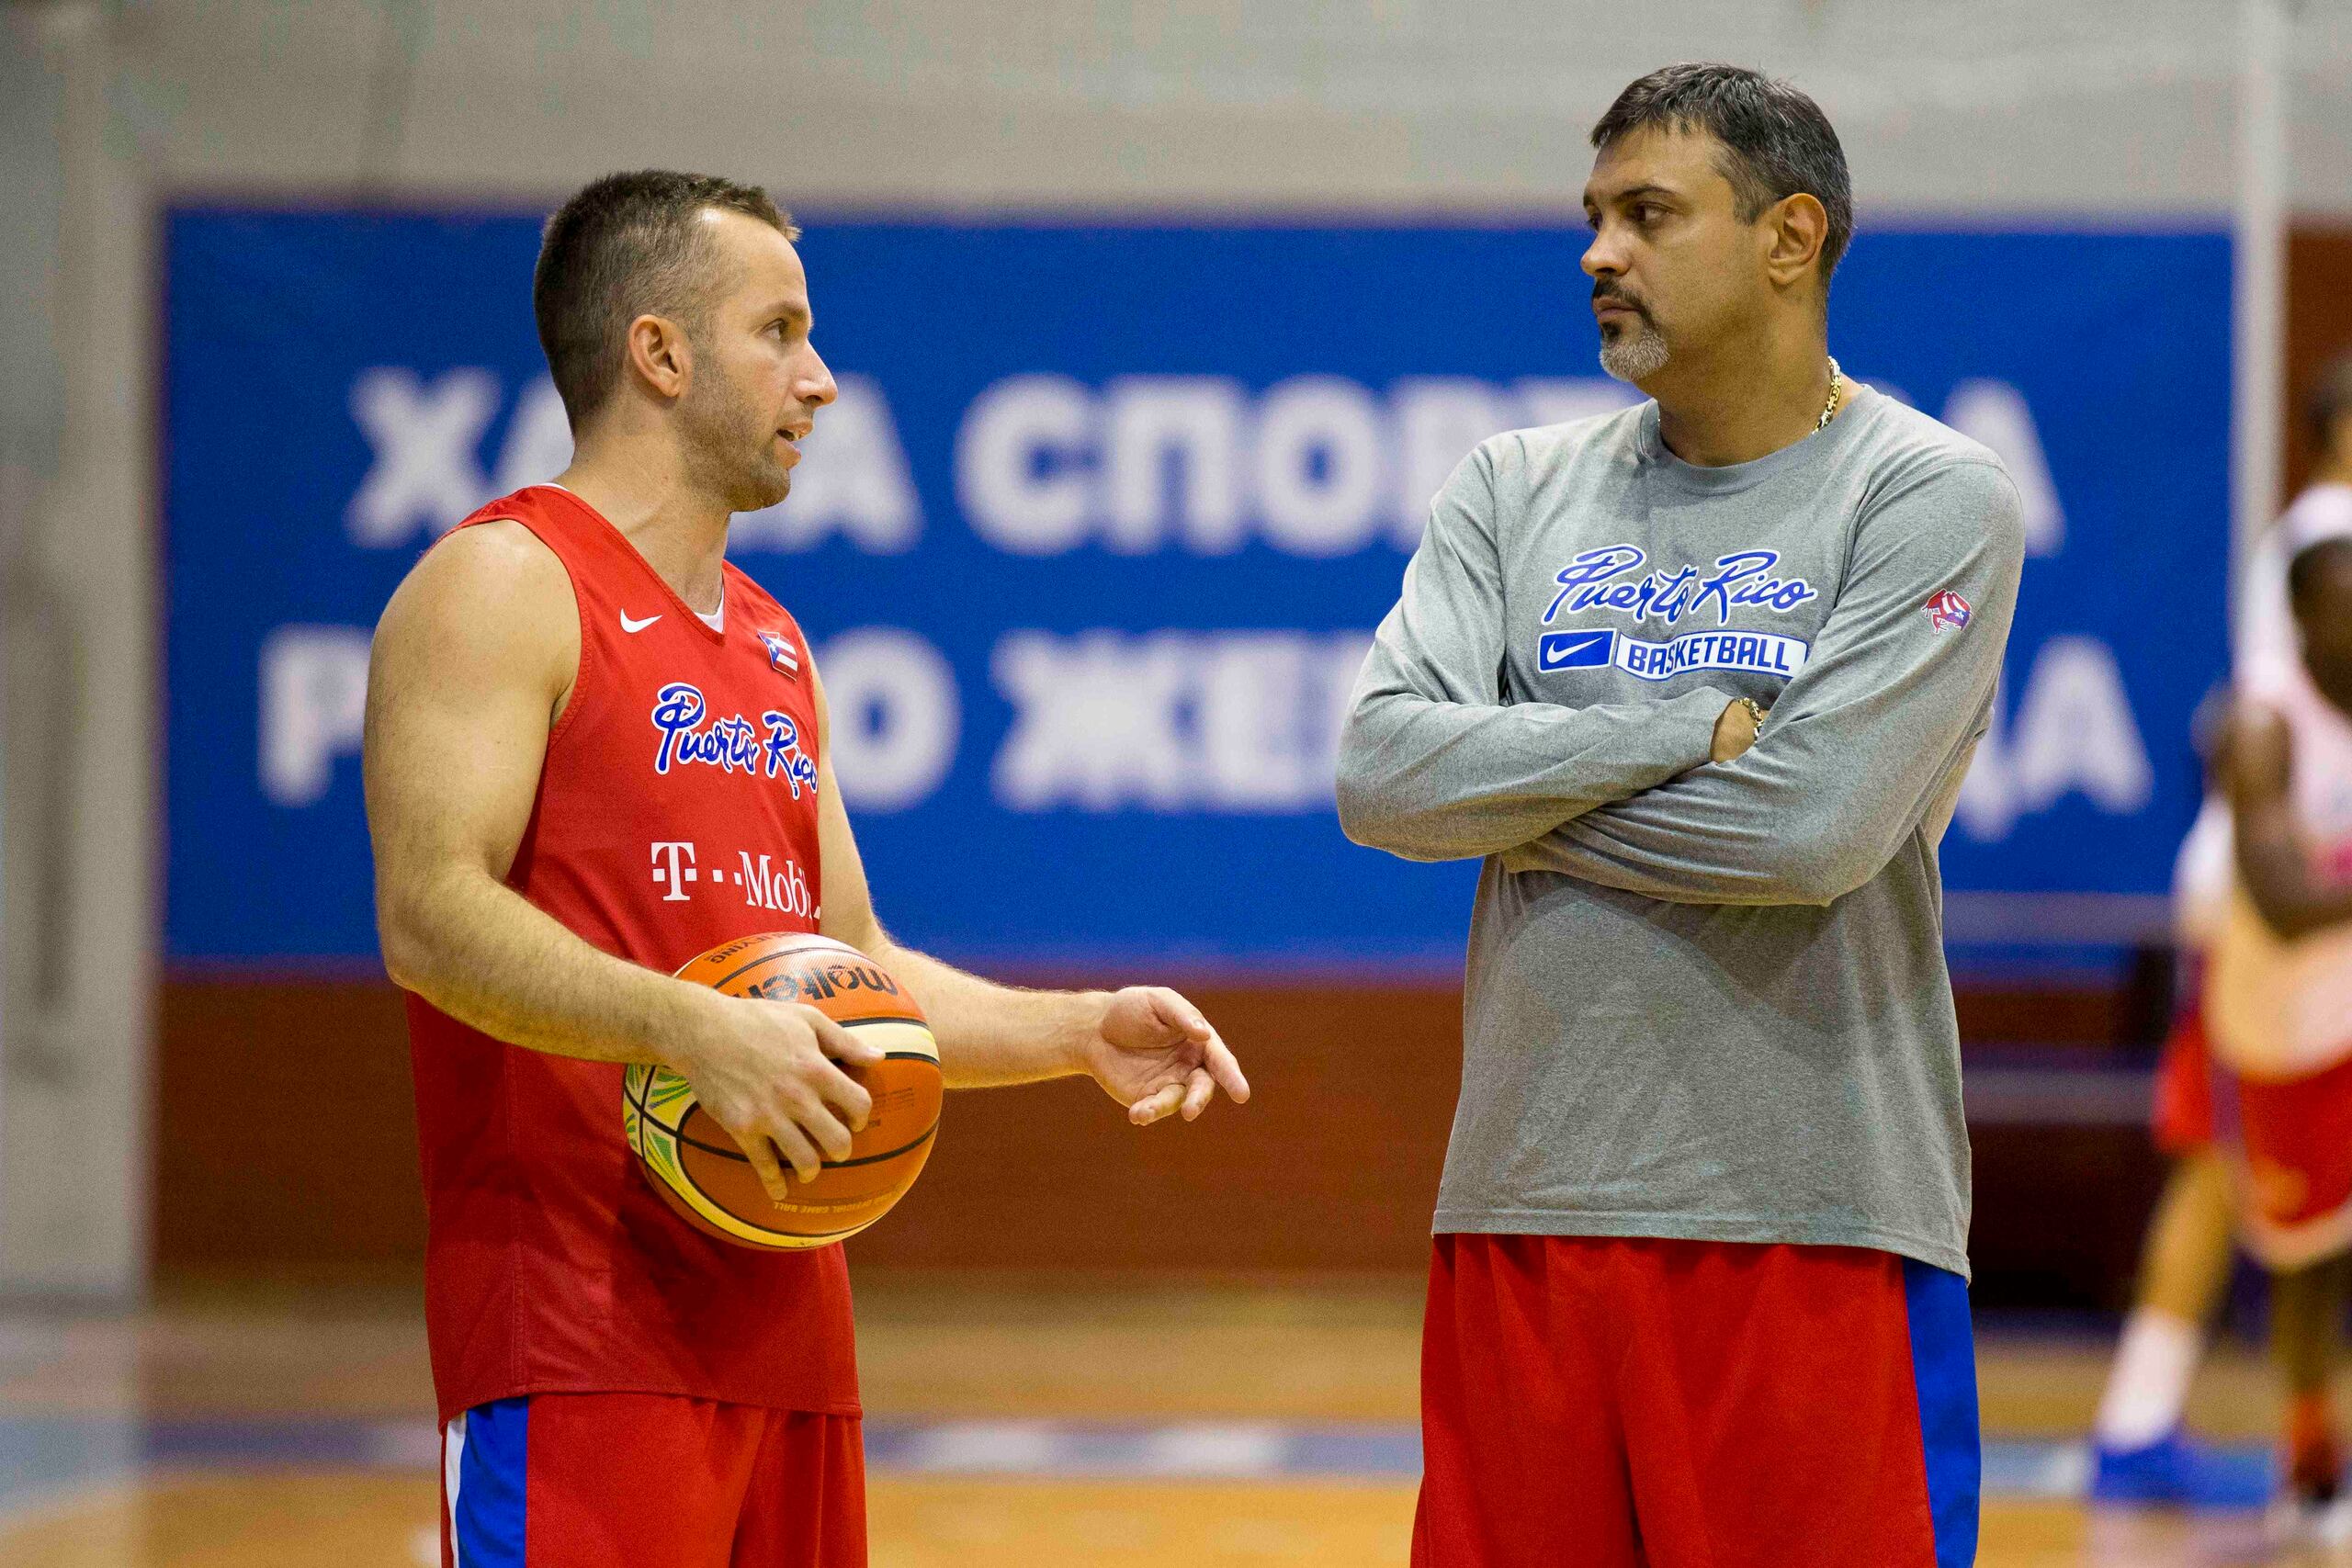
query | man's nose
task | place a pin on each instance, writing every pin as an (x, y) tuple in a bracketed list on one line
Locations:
[(1602, 257), (818, 377)]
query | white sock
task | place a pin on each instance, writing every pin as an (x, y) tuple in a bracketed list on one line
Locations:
[(2148, 1386)]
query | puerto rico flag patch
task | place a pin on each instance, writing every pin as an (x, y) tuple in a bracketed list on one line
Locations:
[(1947, 612), (782, 655)]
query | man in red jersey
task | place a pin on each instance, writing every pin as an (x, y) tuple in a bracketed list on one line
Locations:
[(594, 750)]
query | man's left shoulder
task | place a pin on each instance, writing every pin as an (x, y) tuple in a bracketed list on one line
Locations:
[(1906, 446), (1926, 475), (744, 589)]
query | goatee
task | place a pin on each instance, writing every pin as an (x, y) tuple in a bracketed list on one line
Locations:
[(1633, 354)]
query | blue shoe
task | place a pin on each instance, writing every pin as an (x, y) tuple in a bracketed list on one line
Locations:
[(2175, 1472)]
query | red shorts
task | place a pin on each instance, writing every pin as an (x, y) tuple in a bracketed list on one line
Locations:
[(620, 1480), (1649, 1403), (2184, 1103), (2293, 1148)]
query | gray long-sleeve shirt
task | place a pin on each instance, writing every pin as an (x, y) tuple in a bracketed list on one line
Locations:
[(1704, 999)]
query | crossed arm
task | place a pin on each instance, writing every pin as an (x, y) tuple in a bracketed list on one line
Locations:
[(1865, 745), (475, 656)]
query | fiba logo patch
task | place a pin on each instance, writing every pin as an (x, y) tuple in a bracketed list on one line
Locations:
[(1947, 612)]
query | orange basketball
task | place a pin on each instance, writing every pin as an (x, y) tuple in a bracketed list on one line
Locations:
[(702, 1172)]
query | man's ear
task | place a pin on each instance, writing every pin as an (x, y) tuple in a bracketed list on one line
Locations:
[(1795, 227), (659, 356)]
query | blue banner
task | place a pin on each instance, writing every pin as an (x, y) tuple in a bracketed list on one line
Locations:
[(1091, 544)]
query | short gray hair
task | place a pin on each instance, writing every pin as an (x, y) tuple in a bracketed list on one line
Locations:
[(1776, 139)]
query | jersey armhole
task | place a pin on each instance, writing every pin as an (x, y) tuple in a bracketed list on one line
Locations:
[(581, 665), (581, 661), (818, 710)]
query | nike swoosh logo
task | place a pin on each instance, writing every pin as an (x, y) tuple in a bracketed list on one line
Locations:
[(630, 625)]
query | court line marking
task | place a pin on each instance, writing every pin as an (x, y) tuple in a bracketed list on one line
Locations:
[(48, 1505), (116, 1455)]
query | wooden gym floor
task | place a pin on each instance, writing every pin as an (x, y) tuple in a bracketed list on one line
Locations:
[(1011, 1423)]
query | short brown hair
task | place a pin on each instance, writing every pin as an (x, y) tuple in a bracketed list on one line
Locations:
[(622, 247)]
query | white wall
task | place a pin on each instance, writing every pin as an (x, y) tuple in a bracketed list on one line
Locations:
[(77, 546), (1399, 104), (2005, 107)]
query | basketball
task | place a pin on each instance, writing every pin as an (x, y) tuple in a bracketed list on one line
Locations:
[(701, 1171)]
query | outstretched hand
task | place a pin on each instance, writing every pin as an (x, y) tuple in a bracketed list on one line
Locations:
[(1155, 1053)]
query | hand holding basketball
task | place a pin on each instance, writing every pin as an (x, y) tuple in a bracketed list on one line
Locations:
[(1154, 1052), (761, 1069)]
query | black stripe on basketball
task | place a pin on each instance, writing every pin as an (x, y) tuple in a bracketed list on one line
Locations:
[(915, 1143)]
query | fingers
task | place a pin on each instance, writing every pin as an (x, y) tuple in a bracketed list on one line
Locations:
[(1216, 1067), (1179, 1014), (1218, 1070), (1225, 1068), (795, 1147), (1223, 1071), (817, 1122), (835, 1087), (843, 1044), (763, 1164), (1735, 731), (1159, 1103), (831, 1085), (1198, 1087), (802, 1131)]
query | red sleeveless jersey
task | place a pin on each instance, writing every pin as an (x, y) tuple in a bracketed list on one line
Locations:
[(676, 810)]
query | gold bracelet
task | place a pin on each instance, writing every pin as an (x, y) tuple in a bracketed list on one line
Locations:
[(1755, 711)]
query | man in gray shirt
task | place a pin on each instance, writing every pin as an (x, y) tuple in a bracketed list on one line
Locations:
[(1697, 1294)]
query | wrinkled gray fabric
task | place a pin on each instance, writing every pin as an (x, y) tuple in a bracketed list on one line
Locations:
[(1705, 1000)]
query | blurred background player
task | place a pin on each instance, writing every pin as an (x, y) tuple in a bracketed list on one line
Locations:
[(615, 1387), (2281, 996), (2140, 1451), (1708, 1178)]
